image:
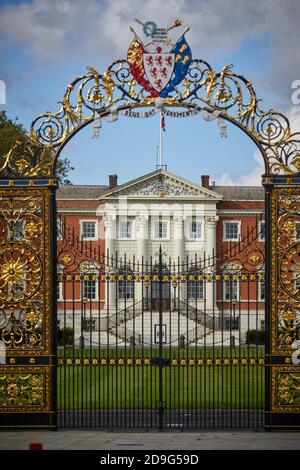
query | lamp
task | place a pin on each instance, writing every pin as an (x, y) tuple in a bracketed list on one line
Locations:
[(83, 320), (147, 285), (234, 302), (174, 285), (232, 337)]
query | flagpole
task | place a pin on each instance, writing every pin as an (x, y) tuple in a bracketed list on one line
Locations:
[(160, 142)]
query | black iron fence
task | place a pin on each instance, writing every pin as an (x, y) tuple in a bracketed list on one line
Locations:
[(162, 347)]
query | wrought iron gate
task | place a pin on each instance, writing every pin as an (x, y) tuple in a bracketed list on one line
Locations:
[(159, 344), (28, 307)]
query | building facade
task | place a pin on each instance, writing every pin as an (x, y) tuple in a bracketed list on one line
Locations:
[(199, 228)]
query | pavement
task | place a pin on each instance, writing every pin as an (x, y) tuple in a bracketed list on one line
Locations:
[(101, 440)]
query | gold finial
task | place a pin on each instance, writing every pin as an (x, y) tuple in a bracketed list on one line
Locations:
[(175, 24)]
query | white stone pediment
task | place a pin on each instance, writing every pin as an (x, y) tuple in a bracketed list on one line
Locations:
[(160, 186)]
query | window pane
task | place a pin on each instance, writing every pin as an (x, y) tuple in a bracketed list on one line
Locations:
[(195, 290), (231, 290), (195, 231), (262, 290), (262, 234), (89, 289), (58, 285), (125, 289), (161, 230), (166, 290), (88, 229), (231, 231), (59, 229), (125, 229)]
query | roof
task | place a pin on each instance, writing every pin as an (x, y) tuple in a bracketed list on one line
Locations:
[(230, 193), (128, 187), (240, 193), (78, 191)]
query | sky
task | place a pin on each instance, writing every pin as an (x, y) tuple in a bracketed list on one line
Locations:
[(45, 44)]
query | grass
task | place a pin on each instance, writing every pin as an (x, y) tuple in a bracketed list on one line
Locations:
[(137, 387), (191, 352)]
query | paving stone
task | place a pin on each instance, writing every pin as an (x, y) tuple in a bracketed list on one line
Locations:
[(149, 441)]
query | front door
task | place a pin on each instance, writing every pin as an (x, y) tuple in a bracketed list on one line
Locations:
[(166, 296)]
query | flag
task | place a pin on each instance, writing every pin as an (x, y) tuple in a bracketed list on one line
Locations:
[(183, 60), (163, 124)]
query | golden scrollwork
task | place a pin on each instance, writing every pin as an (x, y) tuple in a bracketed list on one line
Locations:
[(285, 269), (288, 325), (24, 265), (286, 389), (254, 257), (20, 272), (27, 158), (289, 389), (290, 271), (24, 389), (94, 94)]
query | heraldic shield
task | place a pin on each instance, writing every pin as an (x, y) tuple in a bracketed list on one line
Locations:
[(159, 69), (156, 66)]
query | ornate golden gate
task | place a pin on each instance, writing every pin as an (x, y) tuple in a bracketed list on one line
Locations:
[(27, 201)]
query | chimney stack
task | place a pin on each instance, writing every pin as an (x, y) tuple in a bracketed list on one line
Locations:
[(205, 181), (113, 181)]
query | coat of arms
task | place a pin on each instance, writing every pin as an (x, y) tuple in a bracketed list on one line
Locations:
[(157, 64)]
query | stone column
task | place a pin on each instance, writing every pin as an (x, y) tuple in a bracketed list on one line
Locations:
[(210, 227), (178, 238), (179, 253), (110, 232), (142, 237), (142, 245)]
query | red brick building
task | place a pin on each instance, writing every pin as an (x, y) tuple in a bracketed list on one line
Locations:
[(223, 225)]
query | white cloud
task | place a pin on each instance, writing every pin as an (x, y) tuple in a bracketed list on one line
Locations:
[(58, 32), (254, 177), (251, 179), (50, 28), (62, 30), (294, 117)]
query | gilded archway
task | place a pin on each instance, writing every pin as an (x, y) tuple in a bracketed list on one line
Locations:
[(27, 196)]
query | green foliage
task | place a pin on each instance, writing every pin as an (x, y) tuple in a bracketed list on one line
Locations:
[(13, 131), (10, 131), (63, 168), (65, 336), (255, 337)]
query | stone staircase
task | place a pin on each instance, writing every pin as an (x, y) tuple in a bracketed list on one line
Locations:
[(128, 313), (192, 325), (193, 313), (127, 327), (114, 324)]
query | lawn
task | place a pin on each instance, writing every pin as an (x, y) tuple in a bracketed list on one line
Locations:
[(183, 387)]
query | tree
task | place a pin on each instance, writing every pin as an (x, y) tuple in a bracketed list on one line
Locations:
[(10, 131), (63, 168)]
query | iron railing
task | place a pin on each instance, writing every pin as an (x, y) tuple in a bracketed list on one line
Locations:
[(163, 363)]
